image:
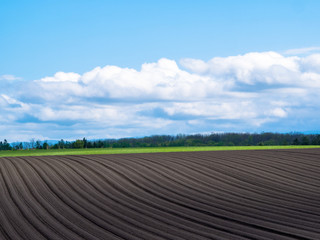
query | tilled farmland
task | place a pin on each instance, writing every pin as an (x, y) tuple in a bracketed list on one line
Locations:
[(263, 194)]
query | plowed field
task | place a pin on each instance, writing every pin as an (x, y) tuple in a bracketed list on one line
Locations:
[(264, 194)]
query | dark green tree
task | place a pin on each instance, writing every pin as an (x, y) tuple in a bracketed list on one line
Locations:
[(45, 145), (78, 144), (305, 141), (85, 142), (61, 144), (296, 141)]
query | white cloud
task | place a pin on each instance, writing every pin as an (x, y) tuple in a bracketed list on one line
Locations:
[(278, 112), (62, 77), (238, 93), (265, 67), (311, 63), (195, 65), (9, 100), (214, 109), (9, 77), (162, 80), (298, 51)]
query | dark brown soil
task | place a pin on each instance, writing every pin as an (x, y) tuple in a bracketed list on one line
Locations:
[(263, 194)]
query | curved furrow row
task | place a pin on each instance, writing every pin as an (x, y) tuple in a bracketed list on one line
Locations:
[(309, 164), (262, 156), (167, 194), (27, 224), (40, 206), (55, 206), (304, 202), (256, 182), (83, 212), (212, 189), (105, 205), (298, 223), (230, 183), (5, 226), (309, 153), (188, 189), (275, 183), (143, 198), (270, 156), (268, 179), (285, 168), (240, 201), (238, 195), (216, 212), (64, 211), (12, 220)]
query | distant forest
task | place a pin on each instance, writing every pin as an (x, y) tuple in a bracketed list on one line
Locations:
[(214, 139)]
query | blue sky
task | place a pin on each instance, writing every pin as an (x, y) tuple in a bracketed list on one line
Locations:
[(70, 69)]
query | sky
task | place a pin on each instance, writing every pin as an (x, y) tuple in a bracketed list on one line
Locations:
[(112, 69)]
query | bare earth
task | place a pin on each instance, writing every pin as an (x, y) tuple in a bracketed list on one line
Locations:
[(263, 194)]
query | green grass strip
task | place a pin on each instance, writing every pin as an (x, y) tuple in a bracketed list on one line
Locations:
[(52, 152)]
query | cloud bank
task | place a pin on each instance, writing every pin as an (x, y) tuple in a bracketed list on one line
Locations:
[(259, 91)]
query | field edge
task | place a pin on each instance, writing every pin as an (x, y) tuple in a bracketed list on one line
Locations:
[(96, 151)]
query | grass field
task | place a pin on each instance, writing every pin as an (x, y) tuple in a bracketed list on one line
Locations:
[(53, 152)]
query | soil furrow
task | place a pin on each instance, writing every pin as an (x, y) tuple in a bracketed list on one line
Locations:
[(227, 195)]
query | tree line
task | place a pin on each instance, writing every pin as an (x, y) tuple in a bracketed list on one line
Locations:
[(214, 139)]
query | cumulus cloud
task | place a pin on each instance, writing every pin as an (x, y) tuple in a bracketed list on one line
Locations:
[(162, 80), (251, 68), (311, 63), (62, 77), (259, 91)]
